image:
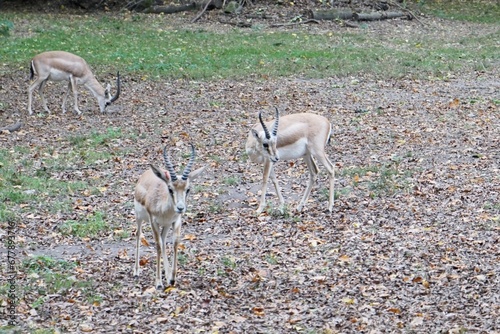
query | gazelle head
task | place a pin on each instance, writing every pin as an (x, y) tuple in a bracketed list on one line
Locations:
[(178, 189), (108, 99), (267, 140)]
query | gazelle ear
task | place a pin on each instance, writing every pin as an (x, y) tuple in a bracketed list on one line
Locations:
[(194, 174), (255, 133), (164, 175)]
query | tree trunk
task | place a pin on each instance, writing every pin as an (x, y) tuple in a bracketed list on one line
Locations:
[(332, 14)]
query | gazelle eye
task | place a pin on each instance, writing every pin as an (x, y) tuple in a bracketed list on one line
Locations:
[(266, 145), (187, 191), (171, 191)]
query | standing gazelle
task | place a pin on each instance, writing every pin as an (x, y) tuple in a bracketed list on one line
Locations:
[(65, 66), (160, 199), (292, 137)]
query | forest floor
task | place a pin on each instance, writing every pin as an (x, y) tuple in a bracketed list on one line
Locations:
[(412, 245)]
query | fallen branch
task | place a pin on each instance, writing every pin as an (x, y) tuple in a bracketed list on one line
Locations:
[(12, 128), (293, 23), (332, 14), (349, 24), (379, 16), (169, 9), (239, 24)]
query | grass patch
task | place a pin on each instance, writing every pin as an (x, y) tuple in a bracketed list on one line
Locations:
[(231, 180), (91, 226), (281, 211), (5, 27), (23, 184), (229, 262), (48, 276), (272, 258), (380, 180), (215, 207), (30, 176), (480, 11), (94, 148), (200, 54), (96, 138)]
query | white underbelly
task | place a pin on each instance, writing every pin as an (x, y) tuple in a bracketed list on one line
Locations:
[(57, 75)]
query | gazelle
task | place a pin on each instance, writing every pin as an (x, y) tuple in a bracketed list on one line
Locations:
[(291, 137), (65, 66), (160, 198)]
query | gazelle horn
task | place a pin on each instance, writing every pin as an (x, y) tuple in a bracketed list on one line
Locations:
[(169, 165), (118, 89), (276, 122), (187, 170), (268, 136)]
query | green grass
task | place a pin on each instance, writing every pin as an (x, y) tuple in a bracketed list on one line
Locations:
[(95, 138), (272, 258), (90, 226), (480, 11), (48, 276), (231, 180), (22, 184), (229, 262), (31, 176), (5, 27), (380, 180), (279, 211), (93, 148), (144, 46), (46, 263)]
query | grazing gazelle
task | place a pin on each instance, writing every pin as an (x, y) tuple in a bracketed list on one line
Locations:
[(65, 66), (292, 137), (160, 199)]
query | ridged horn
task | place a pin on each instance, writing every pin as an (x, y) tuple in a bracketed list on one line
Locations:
[(268, 136), (118, 88), (187, 170), (276, 122), (169, 165)]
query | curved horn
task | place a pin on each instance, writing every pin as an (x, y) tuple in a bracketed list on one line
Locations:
[(118, 86), (268, 136), (169, 165), (187, 170), (276, 122)]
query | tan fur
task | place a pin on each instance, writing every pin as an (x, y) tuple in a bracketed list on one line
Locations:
[(302, 135), (65, 66), (155, 204)]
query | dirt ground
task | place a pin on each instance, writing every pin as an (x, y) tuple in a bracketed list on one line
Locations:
[(410, 247)]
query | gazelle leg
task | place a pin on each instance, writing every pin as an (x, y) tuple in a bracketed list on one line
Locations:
[(75, 94), (159, 251), (166, 265), (313, 174), (137, 247), (44, 101), (32, 87), (66, 98), (278, 189), (331, 171), (267, 171), (176, 240)]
